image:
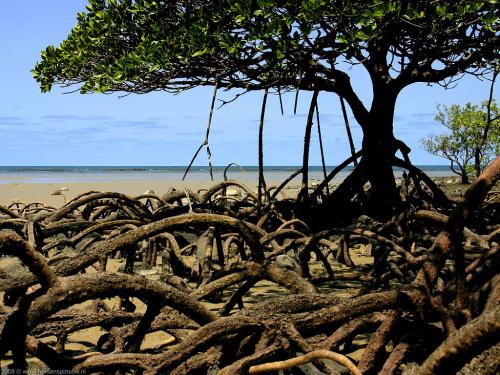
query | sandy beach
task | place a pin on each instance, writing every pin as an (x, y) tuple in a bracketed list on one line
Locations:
[(37, 184), (43, 192), (34, 186)]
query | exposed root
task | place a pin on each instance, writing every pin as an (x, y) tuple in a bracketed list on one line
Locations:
[(422, 288)]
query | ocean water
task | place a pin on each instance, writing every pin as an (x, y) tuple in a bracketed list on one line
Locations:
[(65, 174)]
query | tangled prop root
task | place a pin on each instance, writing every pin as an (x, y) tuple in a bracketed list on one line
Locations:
[(232, 292)]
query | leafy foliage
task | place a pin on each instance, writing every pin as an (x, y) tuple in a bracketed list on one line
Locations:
[(466, 128), (146, 45)]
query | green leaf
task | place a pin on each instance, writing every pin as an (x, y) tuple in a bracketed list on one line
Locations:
[(441, 9), (239, 19)]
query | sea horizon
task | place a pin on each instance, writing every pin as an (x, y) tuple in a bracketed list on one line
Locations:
[(93, 173), (4, 168)]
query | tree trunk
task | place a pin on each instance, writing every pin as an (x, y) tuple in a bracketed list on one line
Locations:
[(378, 153), (477, 160), (465, 177), (379, 148)]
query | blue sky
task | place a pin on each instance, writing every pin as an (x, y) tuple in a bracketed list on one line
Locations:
[(164, 129)]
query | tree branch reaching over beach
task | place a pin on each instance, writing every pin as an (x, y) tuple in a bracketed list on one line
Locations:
[(143, 46)]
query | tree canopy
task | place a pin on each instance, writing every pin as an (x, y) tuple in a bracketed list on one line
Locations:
[(139, 46), (466, 125), (145, 45)]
